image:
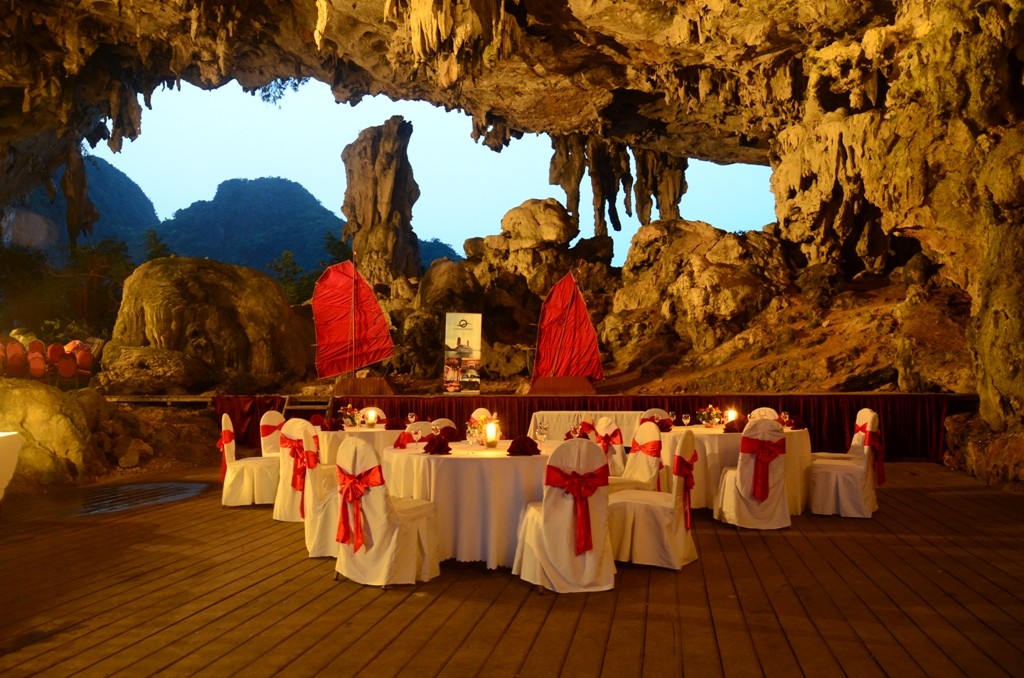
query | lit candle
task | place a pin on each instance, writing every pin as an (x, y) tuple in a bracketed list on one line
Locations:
[(730, 415), (491, 433), (371, 418)]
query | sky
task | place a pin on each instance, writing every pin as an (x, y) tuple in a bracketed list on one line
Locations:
[(192, 140)]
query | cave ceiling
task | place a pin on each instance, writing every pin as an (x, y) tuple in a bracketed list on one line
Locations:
[(710, 80)]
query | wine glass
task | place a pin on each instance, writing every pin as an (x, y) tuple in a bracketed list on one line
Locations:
[(672, 416), (415, 435), (411, 417), (785, 418), (541, 432), (686, 420)]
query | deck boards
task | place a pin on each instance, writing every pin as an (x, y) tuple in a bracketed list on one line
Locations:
[(933, 585)]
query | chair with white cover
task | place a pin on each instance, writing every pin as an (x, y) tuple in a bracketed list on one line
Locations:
[(763, 413), (288, 504), (321, 505), (423, 427), (655, 414), (443, 423), (608, 435), (643, 463), (271, 424), (653, 528), (753, 494), (383, 540), (563, 541), (251, 480), (845, 483)]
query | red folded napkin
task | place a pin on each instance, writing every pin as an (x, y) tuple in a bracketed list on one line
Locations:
[(795, 423), (581, 434), (450, 433), (523, 446), (403, 439), (437, 445), (736, 425), (664, 425)]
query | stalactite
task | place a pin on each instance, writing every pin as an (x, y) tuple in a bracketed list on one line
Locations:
[(608, 165), (662, 177), (81, 214), (566, 170)]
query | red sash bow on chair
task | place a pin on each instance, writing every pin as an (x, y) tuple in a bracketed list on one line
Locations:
[(613, 438), (579, 486), (301, 460), (683, 469), (269, 429), (226, 437), (586, 428), (765, 452), (876, 442), (352, 488), (652, 448)]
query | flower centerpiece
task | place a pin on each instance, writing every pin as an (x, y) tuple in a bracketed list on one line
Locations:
[(709, 415), (349, 415)]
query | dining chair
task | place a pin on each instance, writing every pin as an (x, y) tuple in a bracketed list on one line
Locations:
[(563, 542), (608, 435), (844, 483), (654, 528), (382, 540), (753, 493), (292, 466), (643, 463), (447, 427), (382, 419), (321, 505), (252, 480), (271, 424), (763, 413)]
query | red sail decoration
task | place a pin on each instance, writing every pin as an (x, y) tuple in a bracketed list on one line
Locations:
[(566, 340), (351, 330)]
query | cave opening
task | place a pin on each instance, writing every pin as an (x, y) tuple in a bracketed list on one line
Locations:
[(193, 140)]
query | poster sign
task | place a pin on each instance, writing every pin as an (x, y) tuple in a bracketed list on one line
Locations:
[(462, 353)]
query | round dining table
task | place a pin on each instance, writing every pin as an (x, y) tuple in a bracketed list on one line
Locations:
[(479, 492), (378, 436)]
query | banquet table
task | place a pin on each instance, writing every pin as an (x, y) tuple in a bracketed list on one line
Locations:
[(378, 436), (717, 450), (10, 446), (560, 421), (479, 492)]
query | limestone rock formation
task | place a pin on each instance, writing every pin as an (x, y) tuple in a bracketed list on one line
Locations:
[(892, 129), (379, 194), (186, 324)]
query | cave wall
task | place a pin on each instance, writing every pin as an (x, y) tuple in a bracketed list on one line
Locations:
[(893, 128)]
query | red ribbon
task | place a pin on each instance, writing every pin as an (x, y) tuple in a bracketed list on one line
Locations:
[(269, 429), (352, 488), (683, 469), (403, 439), (586, 428), (765, 452), (226, 437), (613, 438), (579, 486), (652, 448), (876, 442), (301, 459)]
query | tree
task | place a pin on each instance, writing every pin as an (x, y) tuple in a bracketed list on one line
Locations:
[(296, 283), (154, 246), (338, 250)]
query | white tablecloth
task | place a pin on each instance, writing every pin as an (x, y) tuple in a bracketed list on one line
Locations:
[(717, 450), (560, 421), (10, 446), (378, 436), (479, 493)]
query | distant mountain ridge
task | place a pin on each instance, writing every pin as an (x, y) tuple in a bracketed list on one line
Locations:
[(248, 222)]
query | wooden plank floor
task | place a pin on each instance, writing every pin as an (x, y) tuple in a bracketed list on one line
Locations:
[(150, 579)]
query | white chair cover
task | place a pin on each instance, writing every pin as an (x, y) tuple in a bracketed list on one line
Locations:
[(642, 468), (763, 413), (321, 505), (399, 536), (271, 424), (547, 550), (608, 435), (288, 500), (650, 528), (246, 481), (424, 428), (736, 502), (480, 413), (845, 483), (442, 422), (587, 426)]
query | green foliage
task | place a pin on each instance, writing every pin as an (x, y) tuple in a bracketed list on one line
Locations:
[(155, 247), (96, 275), (338, 250), (273, 92), (23, 293), (296, 282)]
